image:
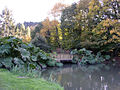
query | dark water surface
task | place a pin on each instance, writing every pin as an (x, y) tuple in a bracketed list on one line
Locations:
[(76, 77)]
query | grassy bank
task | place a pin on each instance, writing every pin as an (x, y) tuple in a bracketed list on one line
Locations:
[(9, 81)]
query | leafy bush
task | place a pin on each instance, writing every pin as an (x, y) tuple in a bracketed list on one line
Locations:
[(40, 42), (84, 56), (14, 52)]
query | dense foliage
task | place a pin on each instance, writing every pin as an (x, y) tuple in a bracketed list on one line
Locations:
[(84, 56), (13, 52), (90, 24), (40, 42)]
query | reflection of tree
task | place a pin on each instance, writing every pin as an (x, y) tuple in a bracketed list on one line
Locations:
[(97, 77)]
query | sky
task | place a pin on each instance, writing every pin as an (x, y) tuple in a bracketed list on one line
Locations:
[(30, 10)]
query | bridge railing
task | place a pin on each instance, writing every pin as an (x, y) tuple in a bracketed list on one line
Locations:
[(62, 56)]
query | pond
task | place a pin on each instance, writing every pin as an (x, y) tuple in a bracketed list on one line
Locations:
[(93, 77)]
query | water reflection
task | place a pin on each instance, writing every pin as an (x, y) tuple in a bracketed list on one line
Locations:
[(97, 77)]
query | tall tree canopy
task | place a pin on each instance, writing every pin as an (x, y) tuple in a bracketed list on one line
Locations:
[(91, 24)]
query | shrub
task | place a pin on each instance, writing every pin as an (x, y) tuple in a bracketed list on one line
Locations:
[(40, 42), (84, 56), (14, 52)]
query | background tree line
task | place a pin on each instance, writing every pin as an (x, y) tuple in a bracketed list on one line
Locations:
[(9, 28), (90, 24)]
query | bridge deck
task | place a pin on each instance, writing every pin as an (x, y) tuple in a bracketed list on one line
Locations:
[(63, 57)]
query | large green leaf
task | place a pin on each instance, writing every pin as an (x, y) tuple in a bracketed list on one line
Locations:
[(58, 64), (34, 58), (18, 61), (33, 66), (42, 56), (1, 65), (14, 52), (74, 51), (24, 45), (51, 63), (7, 62), (24, 53), (107, 57), (5, 49)]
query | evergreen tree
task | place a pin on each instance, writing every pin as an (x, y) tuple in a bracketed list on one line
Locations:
[(28, 31), (7, 23)]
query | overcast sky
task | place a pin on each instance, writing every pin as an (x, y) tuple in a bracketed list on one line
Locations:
[(30, 10)]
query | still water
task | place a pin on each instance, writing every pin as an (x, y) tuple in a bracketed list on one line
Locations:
[(76, 77)]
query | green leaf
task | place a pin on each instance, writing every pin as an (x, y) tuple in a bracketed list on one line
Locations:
[(58, 64), (34, 58), (43, 65), (1, 65), (42, 56), (5, 49), (6, 61), (107, 57), (92, 61), (74, 51), (24, 53), (24, 45), (51, 63), (18, 61), (32, 66)]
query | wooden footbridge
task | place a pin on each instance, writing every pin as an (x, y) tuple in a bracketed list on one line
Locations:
[(63, 57)]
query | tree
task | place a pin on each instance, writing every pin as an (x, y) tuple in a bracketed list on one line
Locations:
[(88, 18), (67, 25), (101, 33), (27, 36), (45, 32), (40, 42), (37, 30), (107, 35), (93, 25), (8, 28), (57, 9), (56, 13), (95, 13), (23, 33), (7, 23), (50, 31), (73, 21), (111, 9)]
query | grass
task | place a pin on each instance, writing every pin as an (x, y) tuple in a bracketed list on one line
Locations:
[(9, 81)]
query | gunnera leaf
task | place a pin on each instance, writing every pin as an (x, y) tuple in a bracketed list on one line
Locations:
[(7, 62), (32, 66), (24, 53), (51, 63), (107, 57), (1, 65), (58, 64), (34, 58), (18, 61), (5, 49)]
